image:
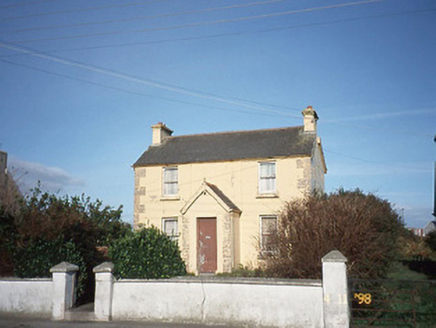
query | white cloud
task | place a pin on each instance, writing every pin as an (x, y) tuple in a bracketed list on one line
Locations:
[(52, 179)]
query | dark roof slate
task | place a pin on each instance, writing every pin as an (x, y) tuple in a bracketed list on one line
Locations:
[(229, 146)]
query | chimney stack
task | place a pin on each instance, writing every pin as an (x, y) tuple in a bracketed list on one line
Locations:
[(160, 132), (310, 119)]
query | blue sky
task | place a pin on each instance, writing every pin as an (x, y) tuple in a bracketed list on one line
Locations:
[(83, 81)]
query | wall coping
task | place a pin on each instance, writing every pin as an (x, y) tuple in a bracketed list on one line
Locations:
[(334, 256), (104, 267), (230, 280), (9, 279), (64, 267)]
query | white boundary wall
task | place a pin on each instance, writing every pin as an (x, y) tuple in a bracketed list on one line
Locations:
[(212, 300), (29, 296), (250, 302), (40, 297), (207, 300)]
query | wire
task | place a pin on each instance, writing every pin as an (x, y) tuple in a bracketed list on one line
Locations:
[(25, 4), (231, 20), (195, 38), (131, 78), (418, 170), (255, 164), (371, 128), (212, 107), (133, 92), (348, 125), (82, 9), (251, 4), (248, 166), (177, 89)]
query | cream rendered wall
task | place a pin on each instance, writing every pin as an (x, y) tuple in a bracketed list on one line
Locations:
[(239, 182)]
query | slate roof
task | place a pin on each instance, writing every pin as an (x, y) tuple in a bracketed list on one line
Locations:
[(230, 146)]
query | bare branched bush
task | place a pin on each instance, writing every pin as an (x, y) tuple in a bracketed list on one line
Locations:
[(363, 227)]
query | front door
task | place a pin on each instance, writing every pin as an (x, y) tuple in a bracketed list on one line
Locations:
[(206, 245)]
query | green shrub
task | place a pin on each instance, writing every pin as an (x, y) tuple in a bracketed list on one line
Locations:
[(146, 254), (36, 258)]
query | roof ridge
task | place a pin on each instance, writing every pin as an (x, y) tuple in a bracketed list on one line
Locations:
[(234, 132)]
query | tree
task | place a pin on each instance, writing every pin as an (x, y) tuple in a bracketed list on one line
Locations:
[(363, 227), (77, 226), (40, 255)]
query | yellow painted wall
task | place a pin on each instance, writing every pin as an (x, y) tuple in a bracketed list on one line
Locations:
[(295, 177)]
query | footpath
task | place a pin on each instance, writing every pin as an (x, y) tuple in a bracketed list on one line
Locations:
[(27, 322)]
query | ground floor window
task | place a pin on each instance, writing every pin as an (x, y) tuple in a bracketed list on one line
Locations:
[(170, 228), (268, 229)]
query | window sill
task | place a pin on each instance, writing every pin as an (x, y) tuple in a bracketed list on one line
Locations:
[(272, 195), (169, 198)]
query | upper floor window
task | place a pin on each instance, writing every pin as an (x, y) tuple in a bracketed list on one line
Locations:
[(267, 178), (170, 228), (170, 181)]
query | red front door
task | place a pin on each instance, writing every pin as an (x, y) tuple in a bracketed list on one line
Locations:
[(206, 245)]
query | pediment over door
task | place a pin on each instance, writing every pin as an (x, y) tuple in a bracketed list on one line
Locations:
[(210, 190)]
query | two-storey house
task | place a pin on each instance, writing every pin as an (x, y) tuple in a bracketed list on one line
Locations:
[(219, 194)]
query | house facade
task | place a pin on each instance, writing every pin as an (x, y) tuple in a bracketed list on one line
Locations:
[(219, 194)]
